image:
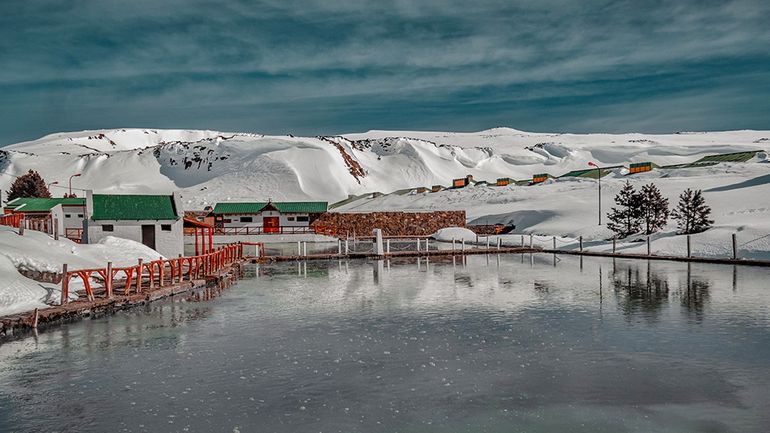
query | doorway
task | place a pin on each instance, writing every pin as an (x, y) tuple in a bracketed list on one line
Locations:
[(148, 235), (271, 224)]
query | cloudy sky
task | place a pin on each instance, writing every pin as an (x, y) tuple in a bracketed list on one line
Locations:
[(334, 66)]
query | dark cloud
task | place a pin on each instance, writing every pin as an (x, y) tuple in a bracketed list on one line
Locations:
[(317, 66)]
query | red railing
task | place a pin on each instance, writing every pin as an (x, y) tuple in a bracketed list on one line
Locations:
[(11, 220), (160, 273), (73, 234)]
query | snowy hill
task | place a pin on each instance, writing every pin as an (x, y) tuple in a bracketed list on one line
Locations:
[(210, 166)]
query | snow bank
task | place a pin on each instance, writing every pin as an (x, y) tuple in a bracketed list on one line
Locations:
[(457, 233), (36, 251)]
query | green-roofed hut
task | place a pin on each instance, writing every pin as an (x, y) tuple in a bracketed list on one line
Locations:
[(270, 217), (154, 220), (67, 214)]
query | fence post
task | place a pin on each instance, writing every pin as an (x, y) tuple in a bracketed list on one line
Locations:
[(689, 249), (580, 240), (648, 245), (347, 247), (531, 236), (427, 247), (299, 248), (21, 226), (108, 280), (304, 248), (614, 238), (139, 277), (735, 247), (56, 229), (65, 285), (487, 241), (180, 266), (499, 242), (554, 243), (387, 246), (453, 244), (463, 245), (339, 247), (418, 245)]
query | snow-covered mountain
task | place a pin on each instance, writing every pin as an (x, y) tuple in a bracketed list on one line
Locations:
[(211, 166)]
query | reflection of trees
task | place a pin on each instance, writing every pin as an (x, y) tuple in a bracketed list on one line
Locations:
[(695, 295), (639, 292)]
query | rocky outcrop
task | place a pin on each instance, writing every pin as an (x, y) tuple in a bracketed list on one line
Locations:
[(392, 223)]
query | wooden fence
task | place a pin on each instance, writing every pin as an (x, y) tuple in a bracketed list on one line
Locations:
[(160, 273)]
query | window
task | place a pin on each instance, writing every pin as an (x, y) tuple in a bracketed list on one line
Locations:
[(108, 228), (66, 215), (247, 219), (80, 215), (290, 218), (303, 219), (165, 227)]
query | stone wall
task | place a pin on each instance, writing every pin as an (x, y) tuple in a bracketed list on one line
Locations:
[(391, 223)]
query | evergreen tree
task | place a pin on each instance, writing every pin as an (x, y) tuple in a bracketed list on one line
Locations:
[(654, 209), (28, 185), (692, 213), (625, 219)]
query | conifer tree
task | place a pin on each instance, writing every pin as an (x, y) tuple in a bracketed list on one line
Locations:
[(625, 219), (28, 185), (654, 209), (692, 213)]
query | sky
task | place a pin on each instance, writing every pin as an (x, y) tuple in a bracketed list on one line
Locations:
[(312, 67)]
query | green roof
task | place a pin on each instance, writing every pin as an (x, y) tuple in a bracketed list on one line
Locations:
[(592, 173), (729, 157), (284, 207), (35, 204), (134, 207)]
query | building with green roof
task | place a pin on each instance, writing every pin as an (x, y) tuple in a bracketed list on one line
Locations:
[(67, 214), (151, 219), (270, 217)]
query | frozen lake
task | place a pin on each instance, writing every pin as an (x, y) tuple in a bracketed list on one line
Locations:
[(511, 343)]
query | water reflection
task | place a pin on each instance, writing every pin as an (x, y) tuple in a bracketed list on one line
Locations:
[(495, 344), (639, 289)]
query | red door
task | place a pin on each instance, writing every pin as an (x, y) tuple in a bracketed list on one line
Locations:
[(271, 224)]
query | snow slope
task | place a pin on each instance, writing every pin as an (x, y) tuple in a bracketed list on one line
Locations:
[(210, 166)]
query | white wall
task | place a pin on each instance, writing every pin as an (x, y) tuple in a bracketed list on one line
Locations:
[(168, 243), (235, 220)]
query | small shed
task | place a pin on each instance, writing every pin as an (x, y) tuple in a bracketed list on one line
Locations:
[(539, 178), (462, 182), (504, 181), (41, 213)]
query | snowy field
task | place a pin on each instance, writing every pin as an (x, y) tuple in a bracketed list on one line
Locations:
[(210, 166)]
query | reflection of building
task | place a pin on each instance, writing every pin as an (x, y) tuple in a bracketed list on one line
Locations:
[(154, 220), (232, 218), (40, 214)]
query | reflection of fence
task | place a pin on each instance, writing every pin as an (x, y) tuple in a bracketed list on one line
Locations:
[(160, 273)]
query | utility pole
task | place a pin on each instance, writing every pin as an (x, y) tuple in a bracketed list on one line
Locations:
[(599, 178)]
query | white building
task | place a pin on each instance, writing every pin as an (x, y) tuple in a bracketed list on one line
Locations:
[(67, 214), (256, 218), (154, 220)]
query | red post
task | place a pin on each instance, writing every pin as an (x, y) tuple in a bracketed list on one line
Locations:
[(196, 241), (108, 280), (211, 239), (65, 285), (139, 276)]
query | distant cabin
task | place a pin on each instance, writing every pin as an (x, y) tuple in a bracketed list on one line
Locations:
[(436, 188), (505, 181), (154, 220), (539, 178), (246, 218), (462, 182), (42, 213), (640, 167)]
